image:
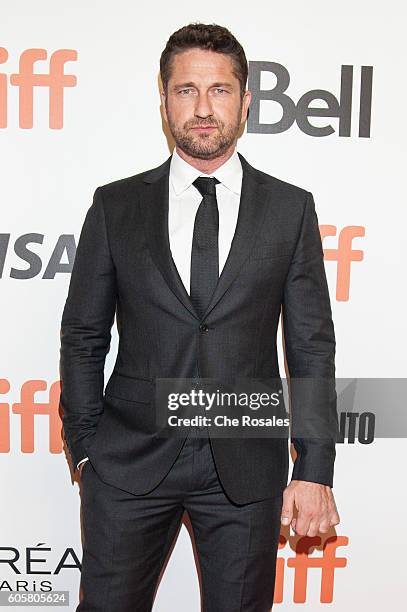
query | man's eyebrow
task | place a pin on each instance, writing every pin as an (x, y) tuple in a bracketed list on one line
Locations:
[(222, 83), (192, 84)]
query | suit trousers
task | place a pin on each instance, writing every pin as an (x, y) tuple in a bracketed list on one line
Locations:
[(126, 538)]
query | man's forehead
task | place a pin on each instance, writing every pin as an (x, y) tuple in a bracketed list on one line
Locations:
[(201, 59), (200, 69)]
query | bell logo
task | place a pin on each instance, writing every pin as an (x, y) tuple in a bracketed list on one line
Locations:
[(26, 80), (302, 111)]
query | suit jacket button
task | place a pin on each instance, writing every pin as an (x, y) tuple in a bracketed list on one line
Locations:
[(203, 327)]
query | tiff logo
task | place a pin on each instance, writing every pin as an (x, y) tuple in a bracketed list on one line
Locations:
[(28, 408), (27, 79), (303, 561), (344, 255)]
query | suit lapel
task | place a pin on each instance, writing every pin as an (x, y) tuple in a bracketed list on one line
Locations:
[(154, 204), (252, 208)]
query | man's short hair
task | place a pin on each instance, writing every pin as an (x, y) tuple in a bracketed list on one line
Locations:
[(204, 36)]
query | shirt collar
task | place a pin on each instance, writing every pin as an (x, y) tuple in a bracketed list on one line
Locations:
[(182, 174)]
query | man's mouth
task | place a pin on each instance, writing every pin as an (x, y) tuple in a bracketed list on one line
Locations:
[(205, 128)]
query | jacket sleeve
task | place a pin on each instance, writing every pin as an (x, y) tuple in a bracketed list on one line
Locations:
[(85, 332), (310, 352)]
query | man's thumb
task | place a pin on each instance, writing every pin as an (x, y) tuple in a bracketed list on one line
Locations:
[(286, 514)]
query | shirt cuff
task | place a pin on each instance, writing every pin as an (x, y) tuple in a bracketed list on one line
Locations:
[(81, 461)]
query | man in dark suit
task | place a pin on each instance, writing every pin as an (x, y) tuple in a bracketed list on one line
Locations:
[(196, 258)]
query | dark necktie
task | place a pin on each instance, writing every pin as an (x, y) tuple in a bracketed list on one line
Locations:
[(205, 252)]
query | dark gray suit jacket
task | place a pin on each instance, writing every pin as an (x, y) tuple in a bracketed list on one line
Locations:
[(123, 266)]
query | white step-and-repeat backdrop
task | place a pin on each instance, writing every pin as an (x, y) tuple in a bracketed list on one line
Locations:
[(80, 107)]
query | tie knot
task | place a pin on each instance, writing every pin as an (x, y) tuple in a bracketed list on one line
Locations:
[(206, 185)]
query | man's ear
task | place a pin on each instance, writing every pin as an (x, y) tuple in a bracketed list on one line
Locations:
[(246, 105), (164, 110)]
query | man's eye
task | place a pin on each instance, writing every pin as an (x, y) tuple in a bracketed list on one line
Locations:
[(220, 89), (183, 90)]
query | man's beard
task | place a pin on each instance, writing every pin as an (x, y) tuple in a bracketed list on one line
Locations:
[(205, 146)]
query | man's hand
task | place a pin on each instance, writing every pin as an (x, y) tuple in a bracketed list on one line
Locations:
[(315, 504)]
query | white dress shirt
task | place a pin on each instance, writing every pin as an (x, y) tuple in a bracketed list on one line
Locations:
[(183, 203)]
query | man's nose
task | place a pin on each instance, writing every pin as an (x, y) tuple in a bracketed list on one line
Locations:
[(203, 106)]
